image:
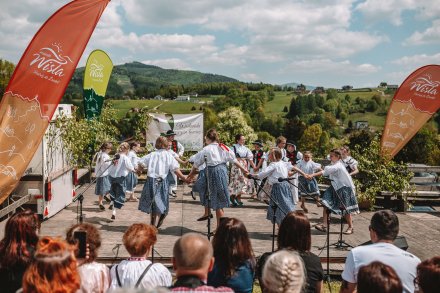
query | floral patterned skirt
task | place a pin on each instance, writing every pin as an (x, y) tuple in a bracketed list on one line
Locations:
[(239, 182)]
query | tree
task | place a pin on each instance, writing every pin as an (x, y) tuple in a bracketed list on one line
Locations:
[(210, 119), (193, 108), (6, 70), (310, 139), (232, 122), (294, 129), (285, 110)]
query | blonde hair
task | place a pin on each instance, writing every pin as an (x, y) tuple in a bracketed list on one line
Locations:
[(276, 153), (161, 143), (284, 273), (123, 147)]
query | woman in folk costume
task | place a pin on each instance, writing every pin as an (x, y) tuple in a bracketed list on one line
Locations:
[(103, 162), (178, 149), (132, 179), (293, 156), (172, 177), (259, 157), (118, 172), (155, 199), (198, 188), (217, 155), (281, 192), (340, 194), (307, 187), (350, 164), (239, 183)]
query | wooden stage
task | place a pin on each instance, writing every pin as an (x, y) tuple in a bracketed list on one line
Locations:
[(422, 230)]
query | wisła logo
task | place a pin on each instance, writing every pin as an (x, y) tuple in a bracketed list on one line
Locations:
[(96, 69), (50, 60), (425, 84)]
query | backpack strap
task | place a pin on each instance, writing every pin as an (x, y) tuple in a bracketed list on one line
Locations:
[(117, 277), (143, 275)]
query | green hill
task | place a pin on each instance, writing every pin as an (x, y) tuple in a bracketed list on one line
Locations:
[(138, 76)]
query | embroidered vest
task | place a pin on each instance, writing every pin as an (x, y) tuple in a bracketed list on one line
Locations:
[(174, 146), (292, 156), (258, 155)]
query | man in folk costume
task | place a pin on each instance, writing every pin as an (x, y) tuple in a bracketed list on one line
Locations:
[(259, 162), (293, 156), (178, 148)]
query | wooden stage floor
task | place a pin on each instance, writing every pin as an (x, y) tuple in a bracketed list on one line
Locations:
[(422, 230)]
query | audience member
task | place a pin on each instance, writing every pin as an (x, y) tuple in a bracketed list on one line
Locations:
[(284, 273), (295, 234), (17, 249), (378, 278), (384, 227), (428, 275), (53, 268), (234, 259), (192, 260), (137, 271), (95, 277)]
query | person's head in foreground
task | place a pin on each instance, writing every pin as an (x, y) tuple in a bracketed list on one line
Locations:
[(384, 226), (53, 269), (193, 255), (428, 275), (284, 273), (378, 278), (139, 238)]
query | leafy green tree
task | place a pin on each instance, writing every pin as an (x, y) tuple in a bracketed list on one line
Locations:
[(371, 106), (310, 138), (210, 119), (294, 129), (332, 94), (232, 122), (285, 109), (6, 70)]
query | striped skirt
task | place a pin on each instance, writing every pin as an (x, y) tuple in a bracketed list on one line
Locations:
[(218, 186), (344, 197), (132, 181), (155, 197), (102, 185), (308, 187), (199, 187), (117, 191), (282, 194)]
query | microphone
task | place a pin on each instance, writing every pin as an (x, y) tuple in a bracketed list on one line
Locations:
[(250, 176), (281, 179), (115, 158)]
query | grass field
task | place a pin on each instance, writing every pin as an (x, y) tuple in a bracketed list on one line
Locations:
[(276, 106)]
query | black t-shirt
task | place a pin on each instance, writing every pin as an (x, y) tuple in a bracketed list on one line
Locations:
[(312, 263)]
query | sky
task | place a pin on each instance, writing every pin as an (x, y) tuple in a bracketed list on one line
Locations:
[(327, 43)]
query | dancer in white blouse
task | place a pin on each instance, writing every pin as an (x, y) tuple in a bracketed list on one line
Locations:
[(102, 159), (131, 178)]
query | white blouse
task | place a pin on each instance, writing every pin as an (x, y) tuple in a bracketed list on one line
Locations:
[(121, 167), (133, 157), (350, 162), (159, 163), (308, 167), (191, 160), (215, 155), (339, 176), (242, 151), (130, 271), (274, 171), (95, 277), (102, 164)]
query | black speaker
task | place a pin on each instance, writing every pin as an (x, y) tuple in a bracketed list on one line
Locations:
[(400, 242)]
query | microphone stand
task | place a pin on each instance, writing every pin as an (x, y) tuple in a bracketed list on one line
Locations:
[(274, 207), (80, 197), (208, 197), (153, 220)]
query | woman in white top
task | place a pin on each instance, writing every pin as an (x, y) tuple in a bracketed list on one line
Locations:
[(137, 271), (119, 169), (216, 155), (239, 183), (307, 187), (281, 191), (103, 163), (131, 178), (95, 277), (340, 197), (350, 164), (155, 199)]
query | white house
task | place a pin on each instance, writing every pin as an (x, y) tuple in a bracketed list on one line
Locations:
[(184, 98), (158, 97)]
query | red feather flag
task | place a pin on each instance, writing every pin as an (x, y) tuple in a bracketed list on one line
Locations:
[(39, 82)]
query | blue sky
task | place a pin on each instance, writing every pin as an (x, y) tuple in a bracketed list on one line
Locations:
[(326, 43)]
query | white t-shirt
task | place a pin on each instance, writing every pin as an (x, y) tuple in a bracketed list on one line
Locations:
[(215, 154), (274, 171), (403, 262), (159, 163), (339, 176), (131, 270)]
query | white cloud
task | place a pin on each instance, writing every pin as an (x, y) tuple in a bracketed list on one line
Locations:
[(172, 63), (251, 77), (416, 61), (430, 36), (344, 67)]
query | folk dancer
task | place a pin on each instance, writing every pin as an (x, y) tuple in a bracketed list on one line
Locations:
[(350, 164), (178, 148), (132, 179), (155, 193), (308, 187), (340, 197), (259, 160), (217, 155), (293, 156), (103, 163), (118, 172), (239, 183)]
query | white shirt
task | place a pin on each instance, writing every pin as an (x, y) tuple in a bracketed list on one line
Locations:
[(404, 263), (95, 278), (121, 167), (242, 151), (274, 171), (159, 163), (102, 164), (339, 176), (131, 270), (215, 155), (191, 160), (308, 167), (350, 162), (173, 153), (133, 157)]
